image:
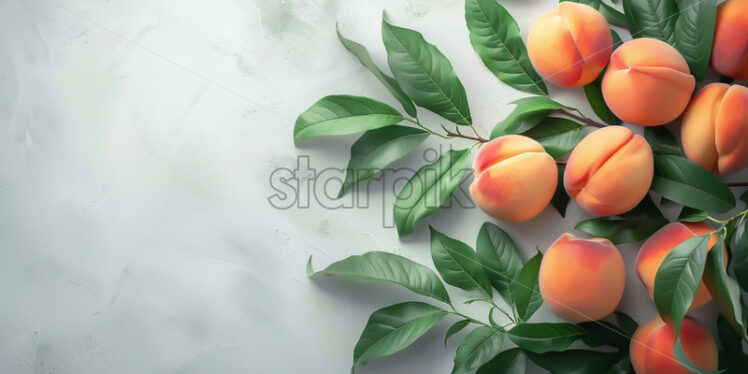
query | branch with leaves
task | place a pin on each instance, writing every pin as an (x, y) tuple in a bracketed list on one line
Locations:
[(423, 77)]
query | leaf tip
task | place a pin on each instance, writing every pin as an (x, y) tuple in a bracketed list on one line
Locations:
[(309, 269)]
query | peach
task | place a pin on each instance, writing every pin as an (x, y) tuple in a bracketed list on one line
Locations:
[(582, 279), (715, 128), (515, 178), (652, 345), (570, 46), (647, 82), (730, 48), (656, 248), (609, 171)]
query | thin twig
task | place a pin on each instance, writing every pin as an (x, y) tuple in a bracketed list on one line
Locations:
[(585, 120), (737, 184)]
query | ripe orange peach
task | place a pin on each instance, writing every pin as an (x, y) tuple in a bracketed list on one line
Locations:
[(514, 178), (715, 128), (609, 171), (570, 46), (730, 49), (582, 279), (656, 248), (647, 83), (652, 345)]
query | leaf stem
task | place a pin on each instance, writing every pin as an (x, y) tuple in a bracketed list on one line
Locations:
[(737, 184), (581, 118), (417, 122)]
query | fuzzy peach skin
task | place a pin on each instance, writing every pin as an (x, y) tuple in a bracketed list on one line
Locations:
[(582, 279), (514, 178), (570, 46), (730, 48), (609, 171), (647, 82), (651, 347), (715, 128), (656, 248)]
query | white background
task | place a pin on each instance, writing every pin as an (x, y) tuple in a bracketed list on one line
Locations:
[(137, 139)]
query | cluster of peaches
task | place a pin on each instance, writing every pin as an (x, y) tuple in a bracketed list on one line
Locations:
[(645, 82)]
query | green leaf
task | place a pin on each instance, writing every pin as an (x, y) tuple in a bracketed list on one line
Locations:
[(626, 323), (454, 329), (389, 83), (692, 215), (594, 92), (686, 183), (557, 135), (387, 267), (393, 328), (495, 37), (429, 188), (651, 19), (344, 114), (511, 361), (499, 256), (662, 141), (545, 337), (678, 279), (694, 33), (377, 149), (744, 197), (739, 247), (560, 199), (575, 361), (526, 290), (458, 264), (478, 347), (606, 333), (425, 74), (636, 225), (731, 356), (725, 291), (529, 111), (612, 15)]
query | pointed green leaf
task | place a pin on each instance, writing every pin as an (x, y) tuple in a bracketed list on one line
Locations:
[(557, 135), (594, 92), (626, 323), (458, 264), (725, 291), (651, 19), (613, 15), (636, 225), (526, 290), (388, 267), (662, 141), (686, 183), (495, 37), (429, 188), (511, 361), (739, 247), (529, 111), (692, 215), (388, 82), (425, 74), (545, 337), (454, 329), (377, 149), (694, 33), (560, 199), (499, 256), (344, 114), (678, 279), (391, 329), (478, 347)]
